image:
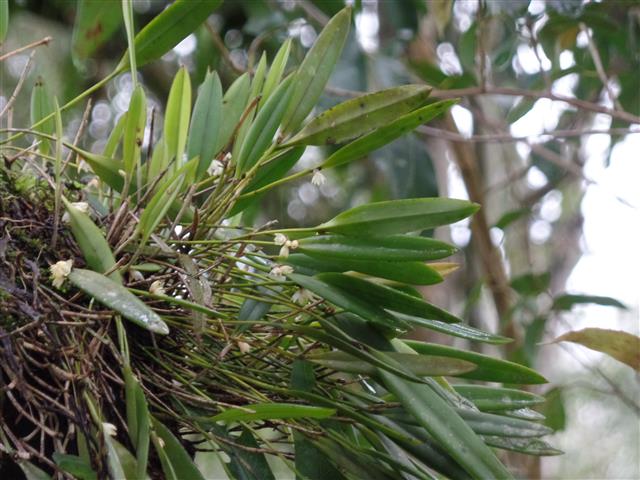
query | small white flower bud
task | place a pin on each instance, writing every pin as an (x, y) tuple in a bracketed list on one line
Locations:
[(157, 287), (318, 178)]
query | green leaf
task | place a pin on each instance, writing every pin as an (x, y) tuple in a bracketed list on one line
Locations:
[(360, 115), (180, 461), (520, 109), (315, 70), (4, 19), (489, 369), (96, 21), (508, 218), (413, 273), (41, 107), (168, 29), (528, 446), (276, 71), (352, 303), (137, 420), (419, 365), (205, 123), (386, 134), (497, 425), (264, 127), (176, 120), (399, 216), (567, 301), (459, 330), (114, 462), (233, 104), (554, 410), (127, 15), (442, 422), (31, 472), (271, 411), (162, 201), (134, 131), (74, 465), (266, 174), (531, 284), (106, 168), (248, 464), (620, 345), (386, 297), (115, 136), (394, 247), (489, 399), (94, 246), (118, 298)]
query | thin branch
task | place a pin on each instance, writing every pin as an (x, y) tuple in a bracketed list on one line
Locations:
[(43, 41), (21, 80), (76, 140), (597, 61), (219, 43), (509, 138)]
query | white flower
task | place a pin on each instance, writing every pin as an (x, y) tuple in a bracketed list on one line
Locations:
[(318, 178), (280, 239), (279, 271), (82, 206), (289, 244), (244, 347), (59, 271), (302, 296), (157, 288), (110, 429), (216, 168)]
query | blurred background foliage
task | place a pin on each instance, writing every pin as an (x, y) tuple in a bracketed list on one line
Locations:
[(545, 137)]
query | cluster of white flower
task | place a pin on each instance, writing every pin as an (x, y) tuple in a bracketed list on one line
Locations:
[(318, 178), (216, 168), (157, 288), (302, 296), (287, 244), (278, 272), (59, 271)]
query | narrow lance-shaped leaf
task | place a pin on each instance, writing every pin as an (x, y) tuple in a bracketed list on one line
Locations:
[(399, 216), (276, 71), (315, 70), (350, 302), (248, 463), (393, 247), (412, 273), (489, 369), (118, 298), (74, 465), (420, 365), (622, 346), (386, 297), (357, 116), (115, 136), (168, 29), (386, 134), (41, 107), (442, 422), (528, 446), (180, 460), (134, 131), (96, 21), (271, 411), (92, 243), (233, 104), (127, 15), (176, 120), (264, 127), (497, 399), (205, 123), (459, 330), (162, 201), (568, 301)]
